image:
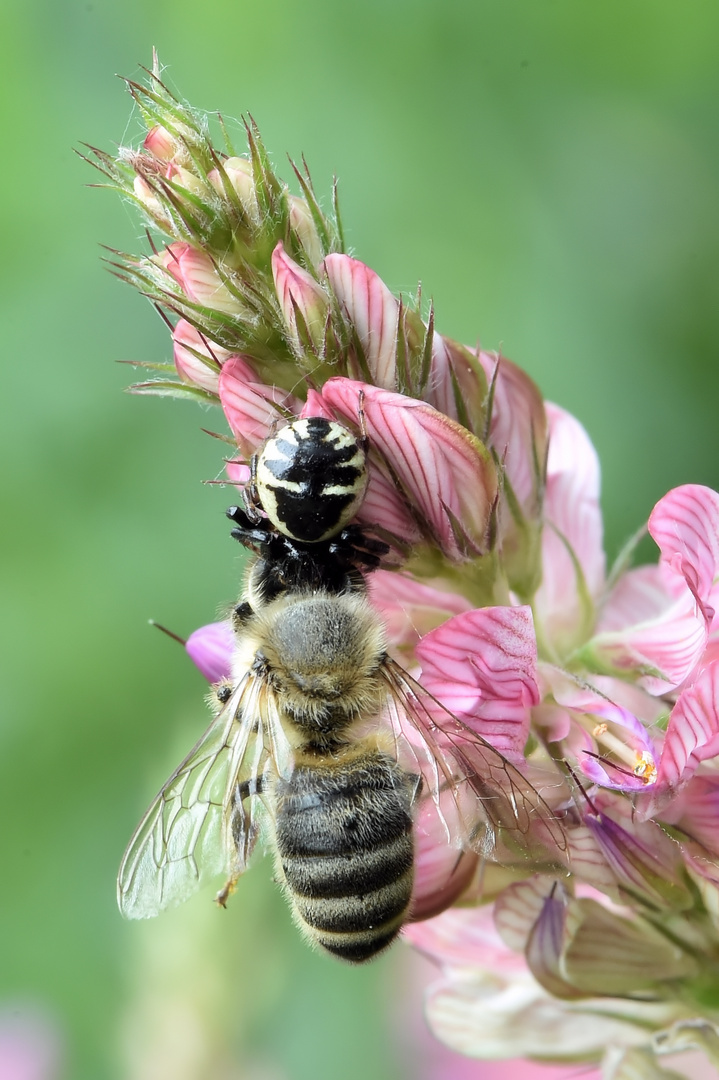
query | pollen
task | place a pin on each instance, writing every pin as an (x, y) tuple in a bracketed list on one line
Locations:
[(645, 767), (599, 730)]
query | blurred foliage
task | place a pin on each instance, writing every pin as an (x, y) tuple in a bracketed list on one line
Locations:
[(551, 172)]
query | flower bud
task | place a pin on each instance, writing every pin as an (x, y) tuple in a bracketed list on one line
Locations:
[(302, 222), (197, 359), (238, 173), (303, 301), (197, 276)]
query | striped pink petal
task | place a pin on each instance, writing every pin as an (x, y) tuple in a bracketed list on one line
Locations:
[(482, 666), (572, 554), (696, 809), (660, 653), (640, 595), (297, 291), (189, 346), (445, 472), (693, 731), (455, 370), (198, 278), (685, 525), (371, 310), (518, 428), (251, 407)]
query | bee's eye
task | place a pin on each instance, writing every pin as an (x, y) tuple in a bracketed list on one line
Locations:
[(311, 478)]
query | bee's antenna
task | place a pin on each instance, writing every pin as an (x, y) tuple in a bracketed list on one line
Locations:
[(175, 637)]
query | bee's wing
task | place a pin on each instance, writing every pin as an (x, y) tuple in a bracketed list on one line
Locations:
[(183, 838), (502, 814)]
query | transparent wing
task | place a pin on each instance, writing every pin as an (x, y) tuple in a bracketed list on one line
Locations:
[(183, 839), (501, 814)]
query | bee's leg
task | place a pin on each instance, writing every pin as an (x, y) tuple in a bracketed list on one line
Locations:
[(416, 782), (244, 833)]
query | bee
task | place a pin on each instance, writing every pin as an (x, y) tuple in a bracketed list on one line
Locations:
[(322, 745)]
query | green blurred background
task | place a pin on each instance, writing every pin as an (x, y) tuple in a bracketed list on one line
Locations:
[(550, 169)]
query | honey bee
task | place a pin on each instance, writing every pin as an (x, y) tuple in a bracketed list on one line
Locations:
[(322, 745)]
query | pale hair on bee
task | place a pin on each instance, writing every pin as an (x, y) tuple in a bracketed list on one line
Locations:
[(322, 745)]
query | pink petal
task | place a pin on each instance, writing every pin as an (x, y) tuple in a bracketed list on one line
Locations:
[(187, 342), (518, 428), (693, 731), (482, 666), (573, 531), (464, 937), (315, 405), (659, 653), (445, 472), (685, 525), (410, 609), (455, 369), (159, 142), (211, 649), (198, 278), (251, 407), (442, 871), (372, 311), (297, 290), (696, 809), (640, 595)]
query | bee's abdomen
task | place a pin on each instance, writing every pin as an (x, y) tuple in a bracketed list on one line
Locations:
[(344, 838)]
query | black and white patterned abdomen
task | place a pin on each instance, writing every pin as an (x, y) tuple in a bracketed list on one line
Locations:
[(344, 839)]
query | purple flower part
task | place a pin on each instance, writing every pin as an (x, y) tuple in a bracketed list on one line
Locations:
[(372, 311), (693, 732), (645, 867), (482, 665), (251, 407), (211, 649), (447, 475), (573, 560), (629, 774), (518, 429)]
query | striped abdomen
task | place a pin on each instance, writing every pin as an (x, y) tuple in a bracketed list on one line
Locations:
[(344, 839)]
